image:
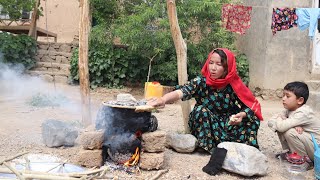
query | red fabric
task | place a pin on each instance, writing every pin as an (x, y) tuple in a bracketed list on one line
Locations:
[(232, 78), (236, 18)]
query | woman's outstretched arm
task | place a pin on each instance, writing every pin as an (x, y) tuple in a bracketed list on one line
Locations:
[(167, 98)]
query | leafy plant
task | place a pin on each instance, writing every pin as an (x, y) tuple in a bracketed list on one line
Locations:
[(145, 28), (20, 49), (15, 8), (107, 67), (243, 68)]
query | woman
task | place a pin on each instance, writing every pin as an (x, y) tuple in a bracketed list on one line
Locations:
[(225, 108)]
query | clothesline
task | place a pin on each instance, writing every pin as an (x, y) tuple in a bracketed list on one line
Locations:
[(232, 4)]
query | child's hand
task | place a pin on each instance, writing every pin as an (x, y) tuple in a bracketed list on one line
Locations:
[(271, 124), (299, 129)]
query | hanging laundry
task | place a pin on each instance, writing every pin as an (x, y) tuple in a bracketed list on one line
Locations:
[(236, 18), (283, 19), (308, 17)]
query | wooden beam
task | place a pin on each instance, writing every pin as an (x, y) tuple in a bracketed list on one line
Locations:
[(181, 50), (33, 25), (83, 61), (24, 29)]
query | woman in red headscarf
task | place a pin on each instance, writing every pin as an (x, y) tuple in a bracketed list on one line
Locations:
[(225, 108)]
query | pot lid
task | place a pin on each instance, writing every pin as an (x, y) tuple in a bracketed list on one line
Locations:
[(137, 108)]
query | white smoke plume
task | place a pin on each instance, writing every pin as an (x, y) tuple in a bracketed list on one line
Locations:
[(15, 84)]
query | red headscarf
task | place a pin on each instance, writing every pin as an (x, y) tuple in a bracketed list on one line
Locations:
[(232, 78)]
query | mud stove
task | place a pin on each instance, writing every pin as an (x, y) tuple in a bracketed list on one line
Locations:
[(123, 127)]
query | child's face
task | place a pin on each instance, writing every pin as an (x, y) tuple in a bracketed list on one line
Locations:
[(290, 100)]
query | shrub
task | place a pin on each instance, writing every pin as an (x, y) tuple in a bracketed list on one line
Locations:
[(20, 49)]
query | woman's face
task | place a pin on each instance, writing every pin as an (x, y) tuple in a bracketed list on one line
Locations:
[(215, 67)]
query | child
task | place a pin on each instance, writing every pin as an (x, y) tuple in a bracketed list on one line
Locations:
[(297, 121)]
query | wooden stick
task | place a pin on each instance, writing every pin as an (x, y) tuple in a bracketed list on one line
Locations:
[(60, 164), (13, 157), (14, 170), (48, 176), (27, 163), (181, 51), (157, 176), (75, 175)]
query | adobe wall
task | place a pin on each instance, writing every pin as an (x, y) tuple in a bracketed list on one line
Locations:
[(62, 19), (279, 59)]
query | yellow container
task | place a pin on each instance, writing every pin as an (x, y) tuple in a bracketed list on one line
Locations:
[(152, 89)]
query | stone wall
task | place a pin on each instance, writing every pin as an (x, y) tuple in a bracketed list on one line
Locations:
[(53, 61)]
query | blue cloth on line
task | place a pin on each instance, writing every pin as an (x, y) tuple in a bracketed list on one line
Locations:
[(308, 17)]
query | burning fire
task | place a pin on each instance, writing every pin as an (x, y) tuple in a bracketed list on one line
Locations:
[(134, 159)]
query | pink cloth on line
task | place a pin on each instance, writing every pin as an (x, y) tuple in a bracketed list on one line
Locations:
[(236, 18)]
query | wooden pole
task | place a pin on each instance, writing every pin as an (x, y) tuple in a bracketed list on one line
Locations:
[(33, 26), (181, 50), (83, 61)]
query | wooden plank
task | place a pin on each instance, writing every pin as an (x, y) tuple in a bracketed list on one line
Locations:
[(24, 29), (83, 61)]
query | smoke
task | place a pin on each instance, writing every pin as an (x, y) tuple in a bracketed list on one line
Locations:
[(16, 85)]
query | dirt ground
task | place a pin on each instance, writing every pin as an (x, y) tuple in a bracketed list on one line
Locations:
[(20, 130)]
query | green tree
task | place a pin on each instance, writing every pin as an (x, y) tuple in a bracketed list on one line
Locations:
[(145, 28), (15, 7), (144, 31)]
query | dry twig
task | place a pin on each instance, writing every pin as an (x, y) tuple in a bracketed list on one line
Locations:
[(16, 172), (159, 173), (13, 157)]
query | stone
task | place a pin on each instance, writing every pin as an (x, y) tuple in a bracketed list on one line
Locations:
[(244, 159), (151, 161), (56, 133), (52, 53), (91, 140), (64, 60), (51, 48), (184, 143), (59, 59), (154, 141), (89, 158), (47, 77), (47, 59), (41, 52), (45, 47), (65, 48), (61, 79), (279, 93)]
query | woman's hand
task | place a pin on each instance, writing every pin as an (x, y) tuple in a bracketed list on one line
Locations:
[(156, 102), (237, 118)]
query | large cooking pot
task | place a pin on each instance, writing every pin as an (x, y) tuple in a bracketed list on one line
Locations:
[(116, 119)]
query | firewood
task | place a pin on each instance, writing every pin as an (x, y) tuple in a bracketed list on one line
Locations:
[(13, 157), (159, 173), (20, 176)]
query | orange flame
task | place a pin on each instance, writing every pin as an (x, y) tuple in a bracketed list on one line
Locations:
[(134, 159)]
